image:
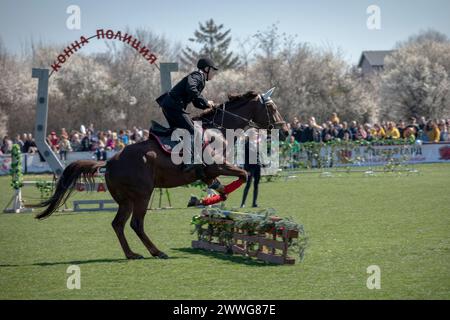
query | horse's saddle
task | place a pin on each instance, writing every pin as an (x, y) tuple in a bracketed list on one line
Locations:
[(162, 135)]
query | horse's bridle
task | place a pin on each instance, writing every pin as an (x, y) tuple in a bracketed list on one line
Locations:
[(250, 122), (266, 103)]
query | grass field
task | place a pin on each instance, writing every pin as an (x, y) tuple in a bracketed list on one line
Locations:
[(400, 223)]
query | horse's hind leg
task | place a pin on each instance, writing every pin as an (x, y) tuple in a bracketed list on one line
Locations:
[(118, 224), (137, 224)]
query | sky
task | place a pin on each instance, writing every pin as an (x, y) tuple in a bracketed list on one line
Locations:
[(321, 23)]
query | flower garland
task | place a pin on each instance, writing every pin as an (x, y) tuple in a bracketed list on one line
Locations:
[(16, 167)]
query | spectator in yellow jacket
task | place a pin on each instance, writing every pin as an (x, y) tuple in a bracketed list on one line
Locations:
[(392, 132), (335, 119), (377, 132), (432, 131)]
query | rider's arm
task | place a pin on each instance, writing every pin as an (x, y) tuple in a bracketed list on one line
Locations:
[(195, 80)]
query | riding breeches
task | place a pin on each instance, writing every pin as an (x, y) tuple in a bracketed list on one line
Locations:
[(178, 119)]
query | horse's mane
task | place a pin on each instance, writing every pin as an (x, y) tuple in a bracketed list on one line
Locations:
[(232, 98), (249, 95)]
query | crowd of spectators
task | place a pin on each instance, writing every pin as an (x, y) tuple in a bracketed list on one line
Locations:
[(26, 143), (91, 140), (423, 129), (83, 140), (99, 142)]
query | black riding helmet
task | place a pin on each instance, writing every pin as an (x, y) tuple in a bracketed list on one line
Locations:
[(204, 63)]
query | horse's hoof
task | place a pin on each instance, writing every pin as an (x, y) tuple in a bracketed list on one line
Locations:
[(135, 256), (193, 202), (162, 255)]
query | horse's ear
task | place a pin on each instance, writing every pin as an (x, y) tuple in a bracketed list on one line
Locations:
[(265, 97)]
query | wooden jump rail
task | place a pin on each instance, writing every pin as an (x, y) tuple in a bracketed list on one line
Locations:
[(100, 205), (269, 246)]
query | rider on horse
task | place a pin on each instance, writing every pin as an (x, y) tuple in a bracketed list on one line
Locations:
[(189, 89)]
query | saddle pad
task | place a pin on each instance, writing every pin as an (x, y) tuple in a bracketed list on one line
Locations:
[(165, 142)]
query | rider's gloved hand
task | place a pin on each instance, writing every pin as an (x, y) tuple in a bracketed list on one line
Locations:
[(211, 104)]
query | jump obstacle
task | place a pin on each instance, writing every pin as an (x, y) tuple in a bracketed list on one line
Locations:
[(266, 238), (99, 205)]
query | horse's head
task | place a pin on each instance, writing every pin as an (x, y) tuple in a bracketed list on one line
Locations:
[(267, 115), (246, 110)]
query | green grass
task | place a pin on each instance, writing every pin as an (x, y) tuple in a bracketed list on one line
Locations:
[(400, 223)]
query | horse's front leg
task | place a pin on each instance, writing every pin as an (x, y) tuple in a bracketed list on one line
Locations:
[(212, 172)]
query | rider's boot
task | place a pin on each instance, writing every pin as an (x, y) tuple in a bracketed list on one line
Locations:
[(218, 186), (194, 201), (198, 167)]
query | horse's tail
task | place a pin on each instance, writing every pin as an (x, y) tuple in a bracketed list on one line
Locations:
[(66, 184)]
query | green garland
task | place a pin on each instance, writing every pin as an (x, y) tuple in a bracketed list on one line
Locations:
[(45, 189), (16, 167), (313, 150)]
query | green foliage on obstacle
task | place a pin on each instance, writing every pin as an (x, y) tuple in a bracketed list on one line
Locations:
[(45, 189), (16, 167)]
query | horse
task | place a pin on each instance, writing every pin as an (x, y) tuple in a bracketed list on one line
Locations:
[(132, 174)]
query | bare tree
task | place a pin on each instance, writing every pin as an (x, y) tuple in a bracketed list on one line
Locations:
[(416, 80), (247, 48), (424, 36)]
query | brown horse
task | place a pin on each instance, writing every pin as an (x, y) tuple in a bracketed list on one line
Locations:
[(132, 174)]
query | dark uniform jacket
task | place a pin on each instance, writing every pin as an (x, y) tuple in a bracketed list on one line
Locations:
[(251, 147), (184, 92)]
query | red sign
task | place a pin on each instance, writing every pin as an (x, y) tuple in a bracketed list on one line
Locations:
[(444, 153), (97, 187), (102, 34)]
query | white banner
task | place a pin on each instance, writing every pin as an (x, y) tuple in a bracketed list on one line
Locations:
[(375, 155), (407, 154), (31, 163)]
